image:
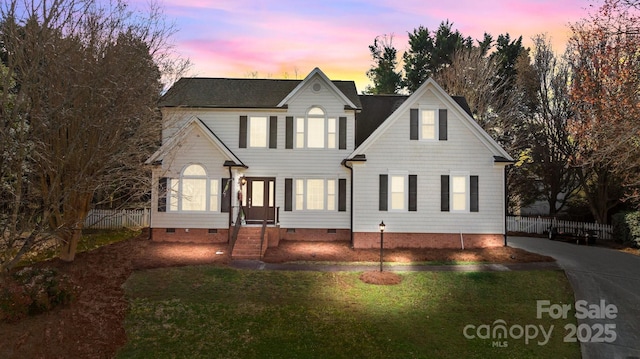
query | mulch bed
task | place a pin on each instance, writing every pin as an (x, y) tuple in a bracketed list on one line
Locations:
[(93, 325)]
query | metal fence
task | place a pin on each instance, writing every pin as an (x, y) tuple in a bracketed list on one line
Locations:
[(539, 225), (116, 219)]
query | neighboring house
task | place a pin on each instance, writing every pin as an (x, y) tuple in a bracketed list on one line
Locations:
[(314, 161)]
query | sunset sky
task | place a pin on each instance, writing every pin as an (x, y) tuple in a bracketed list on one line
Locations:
[(287, 38)]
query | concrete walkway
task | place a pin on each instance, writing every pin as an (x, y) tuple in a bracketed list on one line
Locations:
[(602, 278)]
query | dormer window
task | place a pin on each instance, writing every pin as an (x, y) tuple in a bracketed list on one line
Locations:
[(316, 130)]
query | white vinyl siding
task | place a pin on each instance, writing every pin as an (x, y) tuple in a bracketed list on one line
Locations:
[(464, 152)]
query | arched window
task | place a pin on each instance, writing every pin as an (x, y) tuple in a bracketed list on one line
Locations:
[(315, 130), (194, 191)]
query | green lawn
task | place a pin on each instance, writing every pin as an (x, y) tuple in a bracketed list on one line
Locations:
[(214, 312)]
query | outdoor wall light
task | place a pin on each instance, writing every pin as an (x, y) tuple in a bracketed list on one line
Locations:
[(243, 180)]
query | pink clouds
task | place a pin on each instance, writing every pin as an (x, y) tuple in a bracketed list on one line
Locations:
[(232, 38)]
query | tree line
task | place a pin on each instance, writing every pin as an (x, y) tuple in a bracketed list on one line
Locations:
[(79, 84), (569, 120)]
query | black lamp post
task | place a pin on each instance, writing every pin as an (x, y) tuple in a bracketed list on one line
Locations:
[(381, 226)]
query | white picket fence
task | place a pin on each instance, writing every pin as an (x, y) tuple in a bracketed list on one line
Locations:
[(116, 219), (539, 225)]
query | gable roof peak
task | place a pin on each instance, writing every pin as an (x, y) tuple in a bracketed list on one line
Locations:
[(317, 72)]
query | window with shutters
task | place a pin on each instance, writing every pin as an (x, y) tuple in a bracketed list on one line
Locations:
[(258, 132), (428, 124), (194, 191), (460, 194), (398, 192), (315, 194)]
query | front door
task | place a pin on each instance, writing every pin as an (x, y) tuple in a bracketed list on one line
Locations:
[(260, 200)]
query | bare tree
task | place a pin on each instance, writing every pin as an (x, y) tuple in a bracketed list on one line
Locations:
[(81, 83), (545, 165), (605, 58)]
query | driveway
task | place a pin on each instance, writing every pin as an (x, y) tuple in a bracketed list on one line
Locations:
[(601, 279)]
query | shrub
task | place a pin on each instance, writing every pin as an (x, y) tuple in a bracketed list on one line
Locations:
[(32, 291), (626, 227)]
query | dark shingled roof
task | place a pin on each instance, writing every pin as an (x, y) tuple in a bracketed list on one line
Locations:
[(377, 108), (239, 93)]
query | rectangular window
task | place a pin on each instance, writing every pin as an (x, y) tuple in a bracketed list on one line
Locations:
[(257, 193), (272, 193), (173, 194), (331, 133), (300, 132), (315, 194), (299, 194), (258, 131), (315, 132), (194, 194), (459, 192), (397, 192), (213, 195), (427, 124), (331, 195)]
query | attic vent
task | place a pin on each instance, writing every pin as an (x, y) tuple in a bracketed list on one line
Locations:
[(316, 87)]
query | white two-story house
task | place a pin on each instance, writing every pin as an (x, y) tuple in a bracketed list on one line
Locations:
[(311, 160)]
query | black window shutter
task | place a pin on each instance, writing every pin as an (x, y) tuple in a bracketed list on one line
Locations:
[(474, 194), (342, 195), (444, 193), (225, 198), (162, 194), (342, 128), (273, 132), (384, 189), (413, 114), (288, 194), (289, 132), (243, 132), (413, 193), (442, 124)]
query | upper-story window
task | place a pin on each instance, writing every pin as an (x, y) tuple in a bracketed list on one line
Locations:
[(428, 122), (258, 131), (316, 130)]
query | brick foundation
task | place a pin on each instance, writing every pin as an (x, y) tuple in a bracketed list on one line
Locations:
[(426, 240), (194, 235), (315, 234)]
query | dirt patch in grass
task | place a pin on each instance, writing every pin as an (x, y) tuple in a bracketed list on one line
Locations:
[(381, 278), (93, 325)]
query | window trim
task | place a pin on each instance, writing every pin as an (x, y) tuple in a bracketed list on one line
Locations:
[(250, 131), (175, 188), (436, 123), (300, 197), (301, 137), (405, 191), (467, 191)]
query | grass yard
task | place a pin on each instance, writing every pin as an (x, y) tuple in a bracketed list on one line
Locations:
[(216, 312)]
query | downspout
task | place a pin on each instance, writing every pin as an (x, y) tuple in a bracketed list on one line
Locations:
[(230, 204), (506, 204), (344, 163)]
